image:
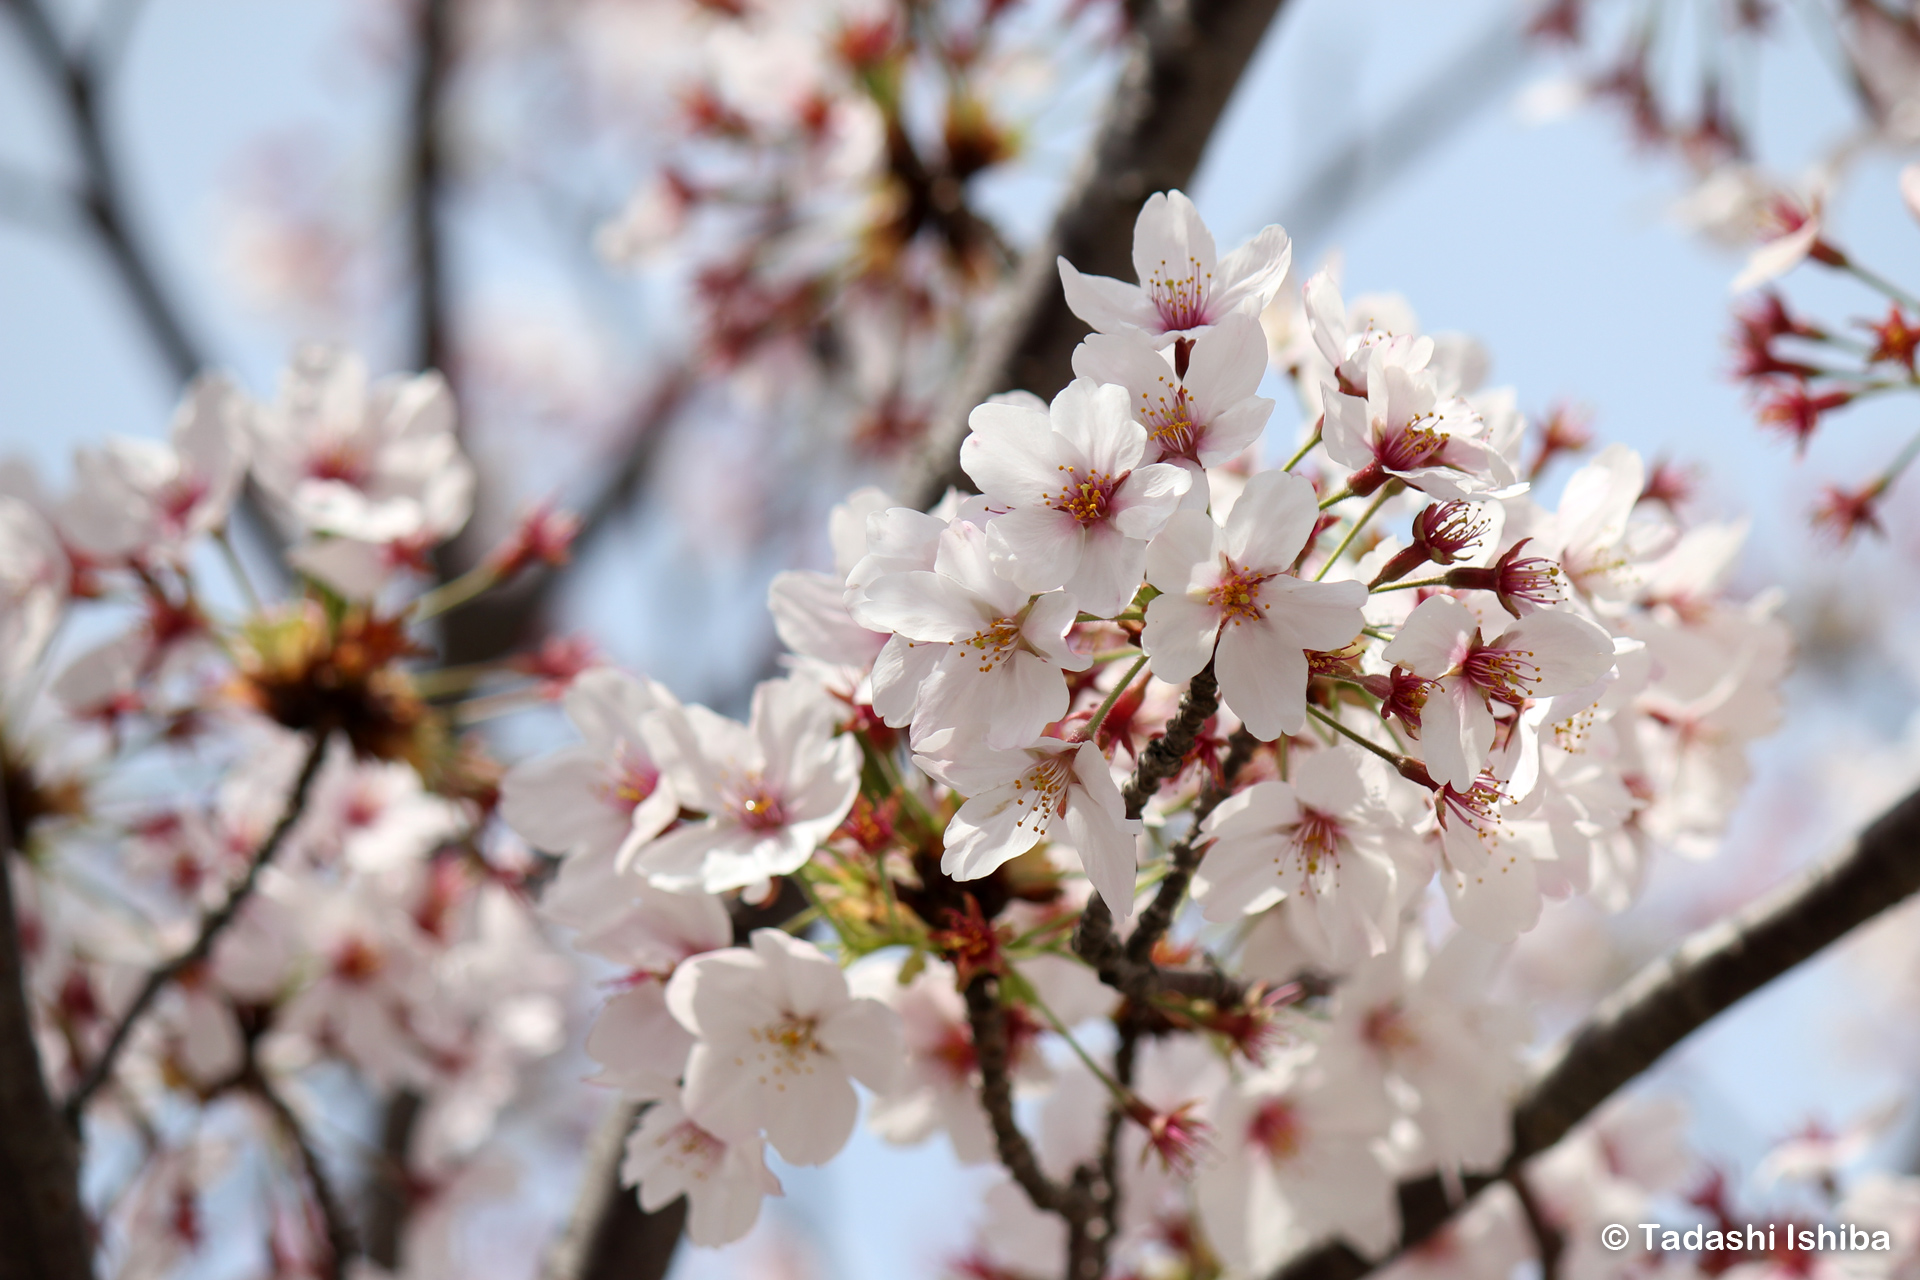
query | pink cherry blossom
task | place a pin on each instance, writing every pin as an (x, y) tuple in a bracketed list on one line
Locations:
[(1538, 656), (1184, 285), (1199, 411), (669, 1156), (778, 1041), (1003, 677), (772, 790), (1019, 797), (1230, 594), (1323, 846), (1078, 505)]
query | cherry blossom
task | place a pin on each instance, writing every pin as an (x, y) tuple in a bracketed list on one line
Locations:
[(1078, 505), (149, 500), (1296, 1165), (772, 789), (724, 1181), (596, 802), (1230, 594), (1323, 846), (1003, 678), (1404, 428), (1540, 655), (1184, 285), (778, 1042), (1019, 797), (1199, 404)]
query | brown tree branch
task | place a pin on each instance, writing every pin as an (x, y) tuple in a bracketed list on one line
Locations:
[(1666, 1002), (101, 197), (341, 1247), (42, 1223), (211, 928), (609, 1234), (427, 173), (987, 1021), (1186, 58)]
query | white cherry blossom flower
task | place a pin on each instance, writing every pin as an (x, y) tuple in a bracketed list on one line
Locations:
[(809, 608), (596, 802), (1079, 506), (778, 1041), (1016, 798), (1405, 428), (1295, 1165), (1423, 1028), (724, 1180), (371, 474), (1199, 411), (1003, 676), (1230, 594), (772, 790), (148, 500), (33, 580), (1184, 284), (1321, 845), (1547, 652)]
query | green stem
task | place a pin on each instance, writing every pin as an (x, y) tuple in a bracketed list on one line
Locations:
[(1024, 990), (1306, 448), (1874, 280), (1333, 723), (1093, 725), (1379, 501), (451, 595), (1341, 496), (1408, 586)]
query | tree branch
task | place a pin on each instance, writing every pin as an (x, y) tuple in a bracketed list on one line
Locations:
[(333, 1216), (210, 930), (41, 1218), (609, 1234), (427, 170), (987, 1020), (1186, 58), (102, 198), (1666, 1002)]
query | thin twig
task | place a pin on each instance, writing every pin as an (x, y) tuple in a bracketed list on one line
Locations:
[(102, 199), (340, 1238), (211, 928)]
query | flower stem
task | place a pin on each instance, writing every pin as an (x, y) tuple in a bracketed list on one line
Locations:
[(1379, 501), (1874, 280), (451, 595), (1334, 723), (1306, 448), (1093, 725), (1440, 581)]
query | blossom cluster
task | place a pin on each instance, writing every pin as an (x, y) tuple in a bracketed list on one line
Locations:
[(1015, 729), (257, 874)]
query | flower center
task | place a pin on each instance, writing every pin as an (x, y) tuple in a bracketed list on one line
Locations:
[(340, 461), (1315, 839), (358, 962), (787, 1047), (1041, 792), (1180, 299), (1088, 500), (1387, 1029), (1275, 1129), (1478, 807), (997, 643), (632, 780), (1169, 421), (757, 808), (1413, 445), (1237, 596), (1506, 674)]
